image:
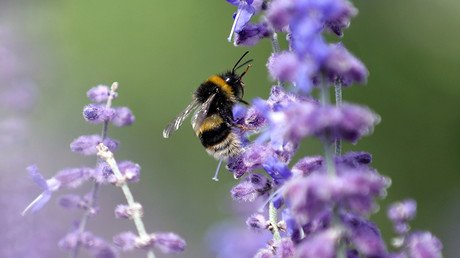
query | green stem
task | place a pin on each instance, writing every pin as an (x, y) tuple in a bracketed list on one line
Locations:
[(276, 49), (338, 103), (273, 217)]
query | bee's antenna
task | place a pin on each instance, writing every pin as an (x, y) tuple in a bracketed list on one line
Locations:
[(243, 64), (239, 60)]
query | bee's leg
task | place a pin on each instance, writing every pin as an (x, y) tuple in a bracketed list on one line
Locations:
[(215, 178), (243, 101), (228, 118), (243, 127)]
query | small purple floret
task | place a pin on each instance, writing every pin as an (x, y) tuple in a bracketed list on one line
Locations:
[(168, 242), (251, 34), (126, 241), (424, 245), (285, 248), (96, 113), (283, 66), (256, 222), (364, 235), (321, 245), (253, 186), (98, 94), (86, 144), (122, 117)]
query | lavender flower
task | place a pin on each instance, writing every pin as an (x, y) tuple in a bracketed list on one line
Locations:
[(98, 94), (325, 201), (86, 144), (257, 222), (283, 66), (97, 114), (168, 242), (251, 34), (254, 185), (122, 117), (242, 16), (107, 170), (322, 244)]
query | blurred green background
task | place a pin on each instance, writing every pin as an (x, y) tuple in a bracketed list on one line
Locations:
[(160, 51)]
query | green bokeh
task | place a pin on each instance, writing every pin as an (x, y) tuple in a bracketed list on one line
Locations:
[(160, 51)]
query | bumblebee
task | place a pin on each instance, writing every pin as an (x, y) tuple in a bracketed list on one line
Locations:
[(213, 119)]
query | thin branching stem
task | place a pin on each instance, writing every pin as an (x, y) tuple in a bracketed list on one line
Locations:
[(108, 157), (273, 217), (96, 185), (338, 103)]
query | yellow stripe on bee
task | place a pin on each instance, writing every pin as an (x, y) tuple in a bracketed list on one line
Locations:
[(217, 80), (210, 123)]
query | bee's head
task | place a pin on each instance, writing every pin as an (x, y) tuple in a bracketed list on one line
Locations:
[(235, 80)]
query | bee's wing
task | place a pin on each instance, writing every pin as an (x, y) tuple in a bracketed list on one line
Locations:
[(201, 113), (177, 122)]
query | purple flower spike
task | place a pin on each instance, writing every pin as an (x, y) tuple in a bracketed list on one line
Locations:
[(424, 245), (283, 66), (96, 113), (251, 34), (257, 222), (126, 241), (168, 242), (123, 117), (98, 94), (320, 245), (86, 144)]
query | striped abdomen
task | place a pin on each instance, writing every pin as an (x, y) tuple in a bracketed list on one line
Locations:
[(218, 139)]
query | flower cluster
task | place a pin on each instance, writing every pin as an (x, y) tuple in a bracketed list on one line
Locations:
[(324, 201), (106, 171)]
